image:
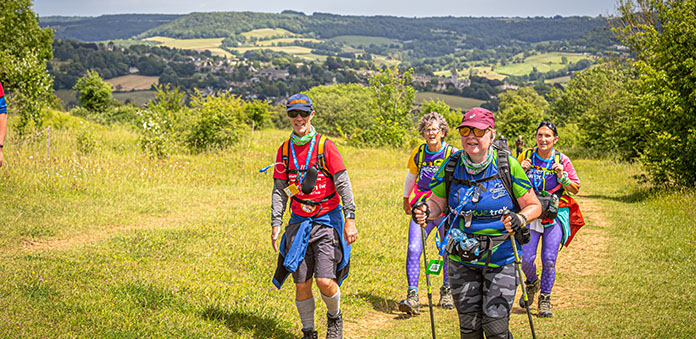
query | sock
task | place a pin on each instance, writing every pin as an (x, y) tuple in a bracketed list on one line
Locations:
[(306, 310), (333, 303)]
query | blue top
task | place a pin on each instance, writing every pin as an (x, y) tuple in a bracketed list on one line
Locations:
[(486, 213)]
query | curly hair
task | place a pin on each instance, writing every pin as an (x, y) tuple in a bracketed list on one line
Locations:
[(433, 117)]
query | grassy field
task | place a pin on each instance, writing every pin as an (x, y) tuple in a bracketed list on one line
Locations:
[(139, 97), (559, 80), (267, 33), (453, 101), (113, 244), (212, 45), (132, 82), (543, 62), (282, 40)]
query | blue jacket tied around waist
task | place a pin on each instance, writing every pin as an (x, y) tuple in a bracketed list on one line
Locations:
[(290, 258)]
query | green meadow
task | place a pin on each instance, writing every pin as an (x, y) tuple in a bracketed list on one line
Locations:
[(543, 63), (262, 33), (357, 40), (109, 243), (453, 101)]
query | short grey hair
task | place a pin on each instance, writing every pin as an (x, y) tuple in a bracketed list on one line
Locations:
[(433, 117)]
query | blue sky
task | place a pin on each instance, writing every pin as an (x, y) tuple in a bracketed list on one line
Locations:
[(407, 8)]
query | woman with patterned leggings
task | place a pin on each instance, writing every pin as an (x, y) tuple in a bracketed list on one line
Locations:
[(422, 164), (551, 172)]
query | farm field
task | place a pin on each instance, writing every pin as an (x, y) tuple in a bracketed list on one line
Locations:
[(263, 33), (453, 101), (114, 244), (543, 63), (559, 80), (132, 82), (140, 98), (283, 40), (212, 45)]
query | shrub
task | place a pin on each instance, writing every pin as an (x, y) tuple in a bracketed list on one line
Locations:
[(85, 140), (219, 121), (341, 109)]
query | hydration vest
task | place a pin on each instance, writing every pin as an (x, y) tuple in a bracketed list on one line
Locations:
[(320, 164), (420, 155)]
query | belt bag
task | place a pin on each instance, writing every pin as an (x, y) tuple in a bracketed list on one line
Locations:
[(549, 206)]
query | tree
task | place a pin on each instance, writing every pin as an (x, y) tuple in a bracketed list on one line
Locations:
[(602, 101), (662, 35), (393, 94), (342, 108), (24, 50), (519, 113), (94, 93)]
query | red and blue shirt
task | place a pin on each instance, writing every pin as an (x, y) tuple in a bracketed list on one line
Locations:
[(324, 186)]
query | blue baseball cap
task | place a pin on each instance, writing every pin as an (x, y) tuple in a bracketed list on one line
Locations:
[(299, 102)]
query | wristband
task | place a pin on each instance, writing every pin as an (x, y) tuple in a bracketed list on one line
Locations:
[(565, 181)]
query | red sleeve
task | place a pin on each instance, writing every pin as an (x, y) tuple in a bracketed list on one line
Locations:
[(279, 170), (333, 158), (2, 94)]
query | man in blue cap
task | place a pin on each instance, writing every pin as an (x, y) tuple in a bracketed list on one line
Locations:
[(309, 170)]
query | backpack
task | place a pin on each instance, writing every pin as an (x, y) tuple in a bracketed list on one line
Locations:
[(321, 160), (421, 154), (503, 173), (486, 243)]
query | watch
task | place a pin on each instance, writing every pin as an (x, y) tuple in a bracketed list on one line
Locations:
[(350, 215)]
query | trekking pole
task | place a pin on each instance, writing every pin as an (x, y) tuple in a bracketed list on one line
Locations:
[(427, 280), (518, 269)]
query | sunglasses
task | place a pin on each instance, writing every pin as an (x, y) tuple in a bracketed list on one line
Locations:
[(293, 114), (548, 124), (465, 131)]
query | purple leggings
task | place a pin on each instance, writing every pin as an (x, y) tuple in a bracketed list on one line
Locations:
[(415, 247), (549, 252)]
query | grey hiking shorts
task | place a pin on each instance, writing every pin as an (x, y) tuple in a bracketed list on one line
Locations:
[(490, 295), (323, 253)]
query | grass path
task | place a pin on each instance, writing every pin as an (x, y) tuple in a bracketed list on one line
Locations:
[(586, 256), (112, 244)]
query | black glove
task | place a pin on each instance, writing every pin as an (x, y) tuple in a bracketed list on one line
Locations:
[(419, 204), (522, 234)]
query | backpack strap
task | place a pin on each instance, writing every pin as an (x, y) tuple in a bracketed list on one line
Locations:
[(284, 154), (419, 158), (450, 166), (448, 151), (506, 176), (321, 159)]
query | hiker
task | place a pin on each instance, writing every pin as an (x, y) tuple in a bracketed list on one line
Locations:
[(318, 236), (551, 173), (3, 121), (479, 189), (519, 145), (422, 164)]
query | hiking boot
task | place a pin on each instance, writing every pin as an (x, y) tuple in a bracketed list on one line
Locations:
[(410, 304), (446, 297), (532, 289), (334, 327), (309, 334), (545, 306)]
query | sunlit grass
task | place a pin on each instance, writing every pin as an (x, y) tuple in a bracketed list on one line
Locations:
[(114, 244)]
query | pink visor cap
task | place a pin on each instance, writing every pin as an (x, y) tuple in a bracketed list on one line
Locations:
[(478, 117)]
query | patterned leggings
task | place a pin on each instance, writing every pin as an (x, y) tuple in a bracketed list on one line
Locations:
[(549, 252), (415, 246)]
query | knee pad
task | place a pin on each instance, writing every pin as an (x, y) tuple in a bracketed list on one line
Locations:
[(473, 335), (470, 324), (496, 328)]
